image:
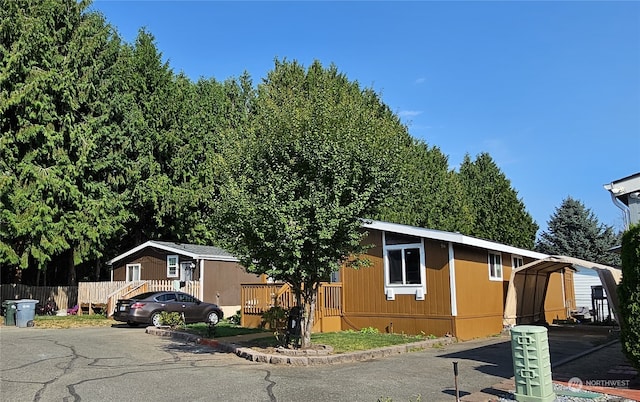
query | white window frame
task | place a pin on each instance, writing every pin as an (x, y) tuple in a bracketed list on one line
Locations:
[(175, 267), (492, 276), (184, 267), (515, 258), (128, 277), (392, 289)]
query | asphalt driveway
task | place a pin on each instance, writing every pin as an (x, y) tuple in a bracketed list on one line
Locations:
[(126, 364)]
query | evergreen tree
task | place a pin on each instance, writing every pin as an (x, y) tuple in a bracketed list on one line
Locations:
[(498, 213), (57, 79), (428, 194), (574, 231), (149, 145)]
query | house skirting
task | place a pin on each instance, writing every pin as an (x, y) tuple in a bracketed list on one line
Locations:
[(408, 324)]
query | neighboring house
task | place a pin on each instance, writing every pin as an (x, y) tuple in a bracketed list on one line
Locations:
[(625, 194), (436, 282), (217, 271), (583, 281)]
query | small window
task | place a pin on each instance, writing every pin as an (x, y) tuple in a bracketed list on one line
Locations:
[(517, 261), (495, 267), (133, 272), (172, 266), (404, 265)]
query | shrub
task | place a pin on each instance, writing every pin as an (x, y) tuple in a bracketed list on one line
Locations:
[(173, 320), (275, 318), (369, 330), (629, 295), (235, 319)]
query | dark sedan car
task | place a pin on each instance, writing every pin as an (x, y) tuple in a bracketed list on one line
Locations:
[(146, 308)]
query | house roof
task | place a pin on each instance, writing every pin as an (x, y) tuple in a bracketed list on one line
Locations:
[(625, 185), (195, 251), (451, 237)]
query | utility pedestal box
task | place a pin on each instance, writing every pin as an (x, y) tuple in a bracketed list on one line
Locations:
[(531, 364)]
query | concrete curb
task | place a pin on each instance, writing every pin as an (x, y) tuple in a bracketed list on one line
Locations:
[(257, 356)]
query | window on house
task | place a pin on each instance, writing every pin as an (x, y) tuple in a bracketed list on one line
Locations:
[(133, 272), (186, 270), (495, 266), (404, 264), (172, 266), (517, 261)]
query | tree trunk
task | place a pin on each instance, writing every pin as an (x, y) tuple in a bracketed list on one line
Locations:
[(98, 269), (71, 267), (311, 295)]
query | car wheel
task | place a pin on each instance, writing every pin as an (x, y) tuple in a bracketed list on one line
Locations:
[(213, 318), (132, 324), (156, 319)]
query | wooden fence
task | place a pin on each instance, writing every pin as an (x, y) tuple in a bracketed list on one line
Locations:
[(64, 296), (91, 296)]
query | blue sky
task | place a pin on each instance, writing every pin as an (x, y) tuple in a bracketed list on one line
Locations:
[(551, 90)]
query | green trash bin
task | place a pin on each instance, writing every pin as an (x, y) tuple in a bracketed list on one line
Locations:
[(9, 309), (25, 312)]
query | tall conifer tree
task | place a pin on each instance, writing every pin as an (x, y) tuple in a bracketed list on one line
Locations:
[(56, 117), (574, 231), (498, 213)]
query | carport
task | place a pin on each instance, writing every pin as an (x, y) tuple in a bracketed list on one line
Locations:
[(528, 287)]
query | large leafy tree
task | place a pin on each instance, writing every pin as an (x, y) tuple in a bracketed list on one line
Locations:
[(318, 156), (574, 230), (428, 193), (498, 213), (57, 79)]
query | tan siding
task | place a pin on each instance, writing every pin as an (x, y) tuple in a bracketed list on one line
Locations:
[(365, 303), (477, 295), (480, 301)]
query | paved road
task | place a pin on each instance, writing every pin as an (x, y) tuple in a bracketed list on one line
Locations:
[(125, 364)]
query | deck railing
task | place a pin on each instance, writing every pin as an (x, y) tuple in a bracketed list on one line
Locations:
[(260, 297)]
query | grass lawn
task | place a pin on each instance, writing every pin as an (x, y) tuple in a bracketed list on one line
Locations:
[(342, 342), (72, 321)]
